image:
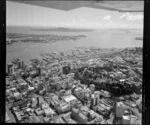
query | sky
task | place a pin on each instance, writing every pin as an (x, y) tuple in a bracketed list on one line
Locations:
[(20, 14)]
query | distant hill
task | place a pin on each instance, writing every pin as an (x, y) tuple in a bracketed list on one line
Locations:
[(126, 55), (125, 52), (62, 29)]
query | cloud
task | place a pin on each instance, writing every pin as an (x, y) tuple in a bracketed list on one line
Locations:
[(135, 17), (107, 17), (124, 15), (130, 17)]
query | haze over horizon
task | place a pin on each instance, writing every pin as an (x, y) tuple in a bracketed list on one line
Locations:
[(19, 14)]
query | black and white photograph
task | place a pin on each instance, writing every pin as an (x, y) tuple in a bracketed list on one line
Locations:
[(74, 62)]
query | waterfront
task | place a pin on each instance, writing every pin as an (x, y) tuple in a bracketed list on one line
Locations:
[(104, 38)]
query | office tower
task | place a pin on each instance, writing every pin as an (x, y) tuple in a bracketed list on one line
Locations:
[(93, 100), (20, 64), (92, 87), (133, 119), (97, 99), (119, 109), (78, 116), (38, 70), (82, 118), (11, 68), (66, 69), (126, 120), (75, 113)]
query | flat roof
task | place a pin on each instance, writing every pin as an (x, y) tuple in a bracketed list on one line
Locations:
[(69, 98)]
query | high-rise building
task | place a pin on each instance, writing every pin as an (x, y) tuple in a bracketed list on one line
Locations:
[(119, 109), (133, 119), (93, 100), (11, 68), (82, 118), (75, 113), (78, 116), (63, 107), (97, 100), (66, 69), (20, 64), (38, 70), (126, 120), (97, 96), (92, 87), (34, 102)]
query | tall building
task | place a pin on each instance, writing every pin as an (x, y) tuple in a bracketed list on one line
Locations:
[(133, 119), (66, 69), (97, 99), (78, 116), (93, 100), (63, 107), (126, 120), (82, 118), (75, 113), (38, 70), (92, 87), (119, 109), (11, 68), (20, 64)]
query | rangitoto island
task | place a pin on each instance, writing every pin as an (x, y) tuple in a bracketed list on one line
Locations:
[(62, 29)]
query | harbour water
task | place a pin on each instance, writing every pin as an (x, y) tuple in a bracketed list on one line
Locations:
[(103, 38)]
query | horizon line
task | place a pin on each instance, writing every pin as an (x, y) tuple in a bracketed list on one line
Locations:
[(68, 27)]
